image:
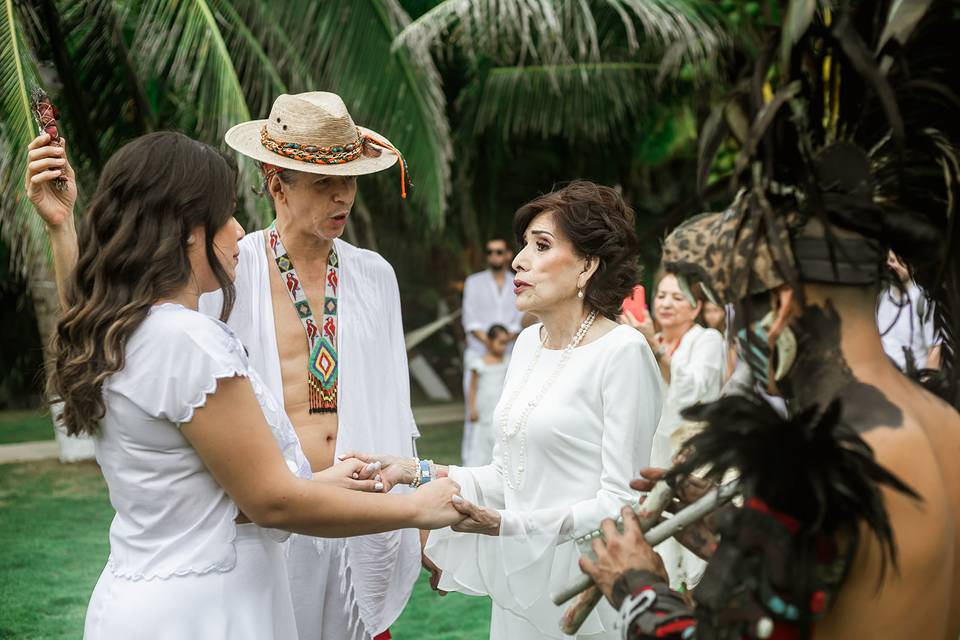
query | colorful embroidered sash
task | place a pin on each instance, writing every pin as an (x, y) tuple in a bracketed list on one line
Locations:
[(322, 341)]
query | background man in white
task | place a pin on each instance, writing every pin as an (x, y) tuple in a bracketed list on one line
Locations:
[(488, 299)]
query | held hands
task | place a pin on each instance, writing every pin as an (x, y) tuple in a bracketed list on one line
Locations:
[(353, 474), (434, 504), (617, 553), (46, 163), (394, 470), (477, 519)]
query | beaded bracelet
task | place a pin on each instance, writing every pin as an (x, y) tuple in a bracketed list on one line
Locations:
[(418, 475)]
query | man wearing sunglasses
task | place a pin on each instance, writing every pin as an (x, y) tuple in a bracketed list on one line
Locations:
[(488, 299)]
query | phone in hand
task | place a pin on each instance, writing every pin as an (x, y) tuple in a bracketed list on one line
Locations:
[(636, 304)]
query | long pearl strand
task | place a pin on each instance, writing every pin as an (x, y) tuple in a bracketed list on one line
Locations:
[(507, 434)]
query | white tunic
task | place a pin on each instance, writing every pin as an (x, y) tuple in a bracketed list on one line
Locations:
[(365, 578), (585, 440), (696, 375), (178, 563)]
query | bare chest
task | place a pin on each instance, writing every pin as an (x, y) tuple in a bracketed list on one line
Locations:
[(318, 431)]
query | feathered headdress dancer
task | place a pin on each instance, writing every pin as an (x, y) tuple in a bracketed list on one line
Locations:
[(848, 148)]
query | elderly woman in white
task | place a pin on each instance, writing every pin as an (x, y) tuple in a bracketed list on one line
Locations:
[(574, 424), (692, 361)]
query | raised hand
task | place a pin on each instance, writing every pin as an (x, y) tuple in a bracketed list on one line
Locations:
[(434, 504), (353, 474), (45, 163)]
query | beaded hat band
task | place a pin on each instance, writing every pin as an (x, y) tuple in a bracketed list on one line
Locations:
[(314, 133)]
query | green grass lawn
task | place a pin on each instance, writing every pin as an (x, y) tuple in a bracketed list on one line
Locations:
[(25, 426), (53, 544)]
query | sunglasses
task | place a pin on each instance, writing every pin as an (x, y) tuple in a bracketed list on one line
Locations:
[(496, 252)]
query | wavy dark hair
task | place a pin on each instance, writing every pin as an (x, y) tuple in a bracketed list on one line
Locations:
[(600, 224), (133, 251)]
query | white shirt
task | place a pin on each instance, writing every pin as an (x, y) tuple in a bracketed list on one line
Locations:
[(485, 304), (373, 411), (585, 440), (906, 321), (696, 375), (173, 518)]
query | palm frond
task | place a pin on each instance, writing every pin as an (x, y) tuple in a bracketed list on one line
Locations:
[(547, 32), (397, 92), (580, 102), (20, 228), (182, 46)]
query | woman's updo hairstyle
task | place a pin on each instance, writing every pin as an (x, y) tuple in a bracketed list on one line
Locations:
[(599, 224)]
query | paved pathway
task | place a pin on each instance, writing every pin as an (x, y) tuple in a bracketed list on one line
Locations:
[(47, 449)]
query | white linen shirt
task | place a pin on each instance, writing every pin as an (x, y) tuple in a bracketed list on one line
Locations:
[(484, 305)]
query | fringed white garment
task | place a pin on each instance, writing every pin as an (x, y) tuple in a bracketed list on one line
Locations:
[(585, 440), (374, 414)]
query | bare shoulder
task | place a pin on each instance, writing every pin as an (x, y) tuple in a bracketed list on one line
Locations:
[(911, 598)]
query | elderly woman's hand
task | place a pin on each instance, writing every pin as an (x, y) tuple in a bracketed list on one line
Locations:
[(618, 553), (478, 519)]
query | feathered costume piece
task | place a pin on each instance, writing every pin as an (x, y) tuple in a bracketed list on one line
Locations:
[(851, 150), (809, 481), (854, 122)]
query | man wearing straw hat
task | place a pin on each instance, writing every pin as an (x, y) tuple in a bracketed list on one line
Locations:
[(321, 319)]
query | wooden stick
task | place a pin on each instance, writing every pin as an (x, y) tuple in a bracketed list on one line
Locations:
[(575, 615), (707, 504)]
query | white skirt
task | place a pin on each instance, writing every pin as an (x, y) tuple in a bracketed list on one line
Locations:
[(249, 602)]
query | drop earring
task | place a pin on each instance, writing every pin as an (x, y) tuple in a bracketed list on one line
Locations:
[(580, 293)]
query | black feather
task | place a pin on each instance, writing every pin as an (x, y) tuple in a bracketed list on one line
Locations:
[(812, 466)]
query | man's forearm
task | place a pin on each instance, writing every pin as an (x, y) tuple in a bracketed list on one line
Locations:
[(63, 245)]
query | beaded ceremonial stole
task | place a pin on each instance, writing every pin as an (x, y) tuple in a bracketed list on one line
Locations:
[(322, 340)]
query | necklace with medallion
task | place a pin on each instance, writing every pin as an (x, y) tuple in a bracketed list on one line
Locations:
[(519, 430), (321, 339)]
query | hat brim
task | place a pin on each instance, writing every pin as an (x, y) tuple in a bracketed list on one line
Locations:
[(245, 138)]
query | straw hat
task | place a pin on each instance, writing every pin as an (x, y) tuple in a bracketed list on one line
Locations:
[(313, 132)]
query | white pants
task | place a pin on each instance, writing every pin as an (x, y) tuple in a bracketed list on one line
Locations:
[(249, 602), (323, 603)]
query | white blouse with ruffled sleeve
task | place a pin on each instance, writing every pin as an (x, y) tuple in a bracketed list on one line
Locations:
[(586, 438), (172, 517)]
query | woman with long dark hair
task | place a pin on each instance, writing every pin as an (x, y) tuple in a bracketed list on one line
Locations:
[(201, 462)]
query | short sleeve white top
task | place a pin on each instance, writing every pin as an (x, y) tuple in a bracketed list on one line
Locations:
[(172, 517)]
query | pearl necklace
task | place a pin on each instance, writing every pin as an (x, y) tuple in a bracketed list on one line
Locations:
[(507, 434)]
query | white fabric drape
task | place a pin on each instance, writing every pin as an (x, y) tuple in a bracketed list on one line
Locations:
[(374, 411)]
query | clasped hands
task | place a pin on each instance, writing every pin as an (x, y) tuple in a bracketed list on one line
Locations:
[(400, 470), (618, 552)]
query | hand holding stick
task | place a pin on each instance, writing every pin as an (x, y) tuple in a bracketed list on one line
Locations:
[(666, 529), (656, 501)]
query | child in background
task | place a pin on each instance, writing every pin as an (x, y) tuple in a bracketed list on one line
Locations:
[(487, 375)]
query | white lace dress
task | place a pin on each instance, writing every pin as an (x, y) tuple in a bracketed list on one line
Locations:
[(179, 566)]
